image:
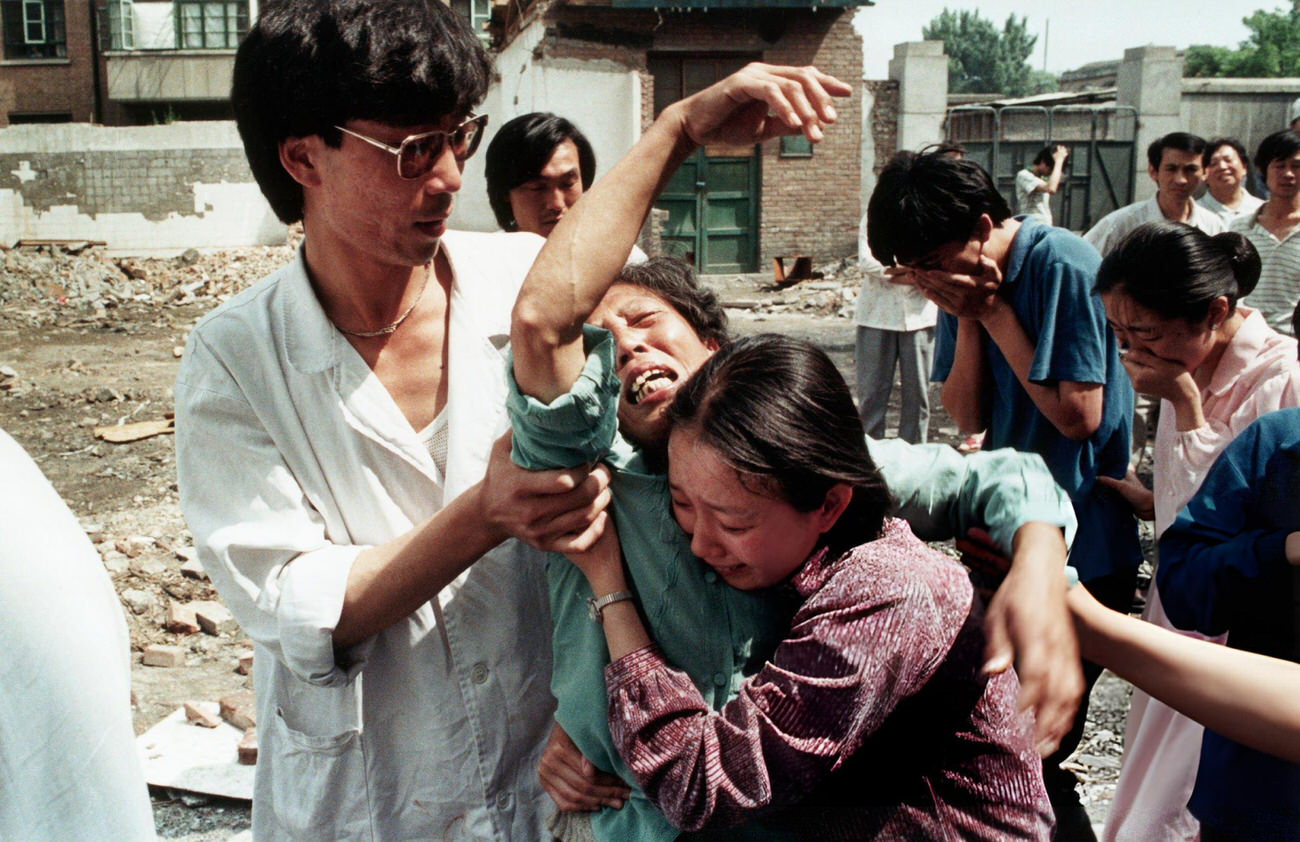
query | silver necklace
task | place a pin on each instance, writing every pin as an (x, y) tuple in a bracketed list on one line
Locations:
[(392, 326)]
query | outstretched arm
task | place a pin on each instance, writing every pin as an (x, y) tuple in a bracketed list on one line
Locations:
[(1243, 696), (585, 252)]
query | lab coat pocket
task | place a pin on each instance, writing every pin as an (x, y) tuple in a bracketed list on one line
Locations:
[(320, 779)]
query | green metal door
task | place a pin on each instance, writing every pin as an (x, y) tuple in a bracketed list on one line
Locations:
[(712, 205), (712, 200)]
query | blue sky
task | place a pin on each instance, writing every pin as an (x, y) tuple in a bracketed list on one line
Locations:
[(1079, 32)]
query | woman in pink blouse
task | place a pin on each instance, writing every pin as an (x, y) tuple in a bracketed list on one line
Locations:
[(875, 718), (1171, 294)]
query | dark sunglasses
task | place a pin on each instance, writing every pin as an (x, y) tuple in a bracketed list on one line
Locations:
[(417, 154)]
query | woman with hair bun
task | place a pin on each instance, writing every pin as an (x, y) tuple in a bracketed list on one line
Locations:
[(1171, 294)]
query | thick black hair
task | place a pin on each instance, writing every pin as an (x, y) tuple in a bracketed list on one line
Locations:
[(927, 200), (675, 282), (1044, 155), (309, 65), (1176, 270), (777, 410), (1276, 147), (1182, 141), (521, 148), (1212, 146)]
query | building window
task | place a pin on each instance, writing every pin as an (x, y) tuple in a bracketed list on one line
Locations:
[(796, 146), (121, 25), (204, 25), (33, 29)]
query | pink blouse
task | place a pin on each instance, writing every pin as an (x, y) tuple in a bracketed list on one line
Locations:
[(1257, 374), (872, 718)]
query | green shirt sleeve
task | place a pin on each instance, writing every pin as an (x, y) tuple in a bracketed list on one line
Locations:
[(578, 427), (942, 494)]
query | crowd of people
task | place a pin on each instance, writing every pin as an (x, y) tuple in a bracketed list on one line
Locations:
[(530, 548)]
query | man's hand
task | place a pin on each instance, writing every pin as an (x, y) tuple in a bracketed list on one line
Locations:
[(1293, 548), (964, 296), (556, 511), (1134, 493), (1027, 622), (760, 102), (572, 781), (1060, 153)]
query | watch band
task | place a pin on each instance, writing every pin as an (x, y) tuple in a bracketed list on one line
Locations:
[(596, 605)]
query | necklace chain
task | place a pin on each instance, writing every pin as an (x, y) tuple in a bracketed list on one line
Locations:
[(394, 325)]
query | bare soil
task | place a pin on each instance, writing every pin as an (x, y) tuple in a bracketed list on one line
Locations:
[(87, 341)]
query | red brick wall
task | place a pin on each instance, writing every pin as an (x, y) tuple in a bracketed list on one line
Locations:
[(807, 205), (58, 85)]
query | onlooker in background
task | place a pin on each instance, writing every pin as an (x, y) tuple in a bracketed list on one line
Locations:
[(1171, 294), (1174, 164), (68, 762), (1023, 350), (537, 166), (1273, 227), (1225, 176), (1293, 115), (1038, 182), (895, 329)]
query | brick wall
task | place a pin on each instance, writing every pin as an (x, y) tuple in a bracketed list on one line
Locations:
[(141, 190), (807, 205), (57, 85)]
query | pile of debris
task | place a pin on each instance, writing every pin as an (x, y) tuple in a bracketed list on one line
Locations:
[(82, 275)]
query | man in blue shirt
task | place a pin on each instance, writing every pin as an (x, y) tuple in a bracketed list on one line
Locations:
[(1023, 351)]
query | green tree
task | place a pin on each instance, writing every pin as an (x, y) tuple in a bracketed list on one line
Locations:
[(984, 59), (1271, 50)]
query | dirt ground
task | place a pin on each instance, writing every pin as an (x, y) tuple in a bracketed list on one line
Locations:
[(87, 341)]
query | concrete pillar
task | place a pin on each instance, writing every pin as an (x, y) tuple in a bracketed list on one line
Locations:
[(1151, 80), (921, 70)]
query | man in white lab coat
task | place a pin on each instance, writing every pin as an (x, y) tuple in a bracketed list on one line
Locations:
[(335, 446)]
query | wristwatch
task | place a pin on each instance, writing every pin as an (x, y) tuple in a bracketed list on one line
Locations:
[(596, 605)]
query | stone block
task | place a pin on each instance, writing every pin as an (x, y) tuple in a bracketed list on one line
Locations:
[(158, 655), (203, 714), (239, 709), (181, 618), (214, 618), (248, 747)]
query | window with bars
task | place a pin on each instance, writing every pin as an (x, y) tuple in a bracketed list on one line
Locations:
[(206, 25), (33, 29)]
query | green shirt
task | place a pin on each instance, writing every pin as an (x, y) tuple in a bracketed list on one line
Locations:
[(716, 634)]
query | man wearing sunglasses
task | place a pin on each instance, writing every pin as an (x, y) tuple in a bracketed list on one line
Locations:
[(338, 453)]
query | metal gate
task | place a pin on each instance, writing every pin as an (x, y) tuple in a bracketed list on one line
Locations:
[(1102, 140)]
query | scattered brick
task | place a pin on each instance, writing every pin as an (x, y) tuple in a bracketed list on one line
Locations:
[(193, 568), (202, 714), (248, 747), (181, 618), (245, 663), (157, 655), (214, 618), (239, 709)]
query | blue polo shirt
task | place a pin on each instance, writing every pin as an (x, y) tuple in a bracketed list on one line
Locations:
[(1048, 282)]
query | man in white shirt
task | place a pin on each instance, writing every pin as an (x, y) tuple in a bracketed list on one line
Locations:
[(1274, 230), (1174, 164), (1038, 182), (1225, 176), (338, 447), (894, 329)]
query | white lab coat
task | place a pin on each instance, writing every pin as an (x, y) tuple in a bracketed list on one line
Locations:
[(292, 459)]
